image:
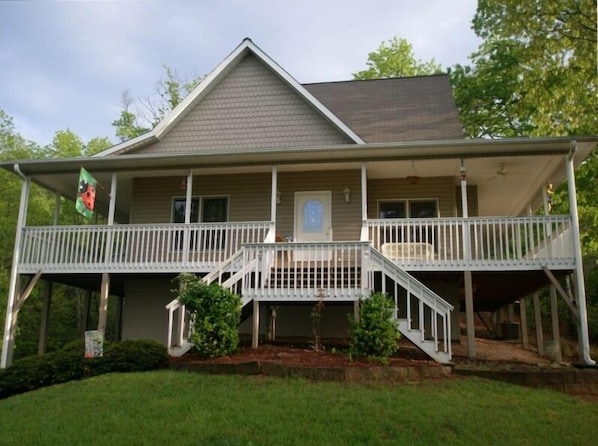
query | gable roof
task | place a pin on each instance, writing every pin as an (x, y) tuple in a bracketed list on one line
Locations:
[(397, 109), (211, 80)]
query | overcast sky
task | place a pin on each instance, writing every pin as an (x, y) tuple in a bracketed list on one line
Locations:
[(65, 64)]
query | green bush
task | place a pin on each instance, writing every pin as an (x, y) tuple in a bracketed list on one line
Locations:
[(375, 335), (69, 364), (130, 356), (216, 313)]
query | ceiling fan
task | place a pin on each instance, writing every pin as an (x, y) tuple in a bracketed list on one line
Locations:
[(502, 172)]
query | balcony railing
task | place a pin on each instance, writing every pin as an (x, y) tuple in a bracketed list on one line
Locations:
[(414, 244), (131, 248), (475, 243)]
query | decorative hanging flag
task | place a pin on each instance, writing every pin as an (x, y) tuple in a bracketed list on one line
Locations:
[(87, 194)]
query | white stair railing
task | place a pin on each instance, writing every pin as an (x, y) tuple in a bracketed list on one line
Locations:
[(427, 317)]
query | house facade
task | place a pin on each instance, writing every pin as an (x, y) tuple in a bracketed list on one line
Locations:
[(289, 194)]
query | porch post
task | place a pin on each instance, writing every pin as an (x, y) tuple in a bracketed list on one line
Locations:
[(56, 209), (364, 205), (271, 237), (8, 340), (112, 206), (186, 234), (523, 319), (554, 314), (43, 329), (579, 277), (256, 324), (538, 321), (104, 292), (86, 307), (467, 277)]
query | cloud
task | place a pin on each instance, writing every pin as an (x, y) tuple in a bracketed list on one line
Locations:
[(65, 64)]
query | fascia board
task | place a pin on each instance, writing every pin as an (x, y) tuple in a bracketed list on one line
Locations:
[(451, 149)]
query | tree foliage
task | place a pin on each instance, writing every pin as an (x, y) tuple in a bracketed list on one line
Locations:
[(140, 116), (535, 72), (395, 58)]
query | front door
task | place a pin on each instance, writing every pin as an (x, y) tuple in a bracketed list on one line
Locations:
[(313, 219)]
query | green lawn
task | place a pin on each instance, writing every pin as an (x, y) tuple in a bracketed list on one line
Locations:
[(179, 408)]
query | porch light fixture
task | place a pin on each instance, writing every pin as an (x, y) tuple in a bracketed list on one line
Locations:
[(184, 183), (278, 197), (412, 176), (347, 193)]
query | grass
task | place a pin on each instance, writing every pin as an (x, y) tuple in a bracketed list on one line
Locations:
[(179, 408)]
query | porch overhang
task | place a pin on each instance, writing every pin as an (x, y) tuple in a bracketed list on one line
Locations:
[(421, 150), (59, 175)]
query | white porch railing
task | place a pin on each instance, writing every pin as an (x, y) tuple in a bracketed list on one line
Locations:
[(475, 243), (135, 248), (305, 271)]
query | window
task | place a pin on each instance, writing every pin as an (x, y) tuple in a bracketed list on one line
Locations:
[(178, 210), (409, 209), (213, 210)]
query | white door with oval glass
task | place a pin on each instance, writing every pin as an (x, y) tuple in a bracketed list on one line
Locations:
[(313, 223)]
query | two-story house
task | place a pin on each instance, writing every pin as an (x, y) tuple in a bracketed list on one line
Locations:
[(290, 193)]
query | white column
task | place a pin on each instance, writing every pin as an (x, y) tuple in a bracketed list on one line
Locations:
[(112, 206), (8, 339), (579, 277), (271, 237), (186, 232), (364, 204), (467, 277), (56, 210)]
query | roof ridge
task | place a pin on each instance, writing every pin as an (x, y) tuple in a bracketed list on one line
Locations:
[(421, 76)]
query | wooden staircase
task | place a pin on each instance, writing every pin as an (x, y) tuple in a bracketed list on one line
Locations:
[(253, 272)]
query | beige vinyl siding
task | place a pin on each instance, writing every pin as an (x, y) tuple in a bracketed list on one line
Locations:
[(144, 315), (346, 217), (251, 107), (440, 188), (248, 194)]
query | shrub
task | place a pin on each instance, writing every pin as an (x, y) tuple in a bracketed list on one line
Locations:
[(216, 313), (130, 356), (69, 364), (375, 335)]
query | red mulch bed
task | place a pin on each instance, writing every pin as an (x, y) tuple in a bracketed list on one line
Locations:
[(302, 355)]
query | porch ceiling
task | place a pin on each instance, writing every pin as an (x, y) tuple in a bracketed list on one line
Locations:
[(502, 169)]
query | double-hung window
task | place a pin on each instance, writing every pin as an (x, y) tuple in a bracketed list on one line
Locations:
[(410, 209), (203, 210)]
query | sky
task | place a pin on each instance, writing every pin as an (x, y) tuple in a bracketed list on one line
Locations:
[(65, 64)]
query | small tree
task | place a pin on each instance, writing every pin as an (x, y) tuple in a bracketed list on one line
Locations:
[(216, 313), (375, 335)]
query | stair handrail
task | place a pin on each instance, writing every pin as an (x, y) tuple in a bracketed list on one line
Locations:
[(429, 297)]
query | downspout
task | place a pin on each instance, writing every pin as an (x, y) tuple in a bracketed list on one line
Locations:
[(8, 338), (579, 278)]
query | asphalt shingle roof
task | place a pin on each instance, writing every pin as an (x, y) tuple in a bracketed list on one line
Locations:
[(394, 110)]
